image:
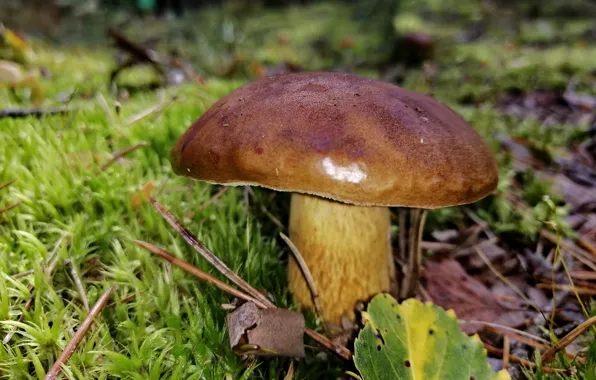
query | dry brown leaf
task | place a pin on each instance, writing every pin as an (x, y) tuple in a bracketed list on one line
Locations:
[(451, 287), (266, 332), (143, 195)]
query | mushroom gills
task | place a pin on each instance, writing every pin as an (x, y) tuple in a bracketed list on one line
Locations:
[(347, 249)]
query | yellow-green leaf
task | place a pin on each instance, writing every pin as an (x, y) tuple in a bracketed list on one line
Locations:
[(418, 341)]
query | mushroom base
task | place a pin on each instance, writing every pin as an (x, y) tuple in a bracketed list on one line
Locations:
[(347, 250)]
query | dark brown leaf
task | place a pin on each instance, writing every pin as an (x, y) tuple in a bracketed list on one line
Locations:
[(452, 288), (266, 332)]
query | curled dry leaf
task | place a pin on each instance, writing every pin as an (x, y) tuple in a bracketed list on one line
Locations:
[(266, 332), (451, 287), (143, 195)]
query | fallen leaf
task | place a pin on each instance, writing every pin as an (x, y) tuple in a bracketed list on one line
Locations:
[(415, 340), (143, 195), (451, 287), (266, 332)]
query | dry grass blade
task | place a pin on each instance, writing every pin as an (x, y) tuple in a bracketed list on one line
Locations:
[(118, 155), (306, 273), (506, 352), (2, 211), (568, 288), (6, 184), (78, 283), (215, 261), (79, 335), (290, 374), (196, 272), (214, 198), (161, 105), (208, 255), (584, 275), (505, 280), (549, 354), (514, 359), (578, 253), (22, 274)]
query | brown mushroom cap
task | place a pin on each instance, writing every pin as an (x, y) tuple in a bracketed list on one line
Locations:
[(340, 136)]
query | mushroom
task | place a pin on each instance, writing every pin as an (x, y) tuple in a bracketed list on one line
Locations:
[(347, 147)]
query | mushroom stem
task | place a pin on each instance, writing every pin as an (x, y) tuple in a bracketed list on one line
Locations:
[(411, 225), (347, 249)]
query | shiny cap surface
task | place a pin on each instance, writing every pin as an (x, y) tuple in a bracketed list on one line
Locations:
[(340, 136)]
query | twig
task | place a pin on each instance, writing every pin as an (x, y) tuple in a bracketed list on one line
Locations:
[(162, 105), (79, 335), (5, 184), (575, 251), (323, 340), (104, 106), (196, 272), (584, 275), (506, 281), (514, 359), (436, 246), (208, 255), (22, 274), (37, 112), (568, 288), (215, 261), (480, 222), (290, 374), (264, 210), (78, 283), (214, 198), (506, 352), (549, 354), (504, 328), (307, 275), (118, 155), (14, 205)]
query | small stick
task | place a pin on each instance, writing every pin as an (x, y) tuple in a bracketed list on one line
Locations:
[(22, 274), (509, 329), (549, 354), (196, 272), (290, 374), (514, 359), (118, 155), (505, 280), (78, 283), (208, 255), (568, 288), (587, 275), (574, 250), (2, 211), (264, 210), (148, 111), (214, 198), (480, 222), (37, 112), (273, 218), (587, 245), (5, 184), (506, 352), (342, 351), (306, 273), (79, 335)]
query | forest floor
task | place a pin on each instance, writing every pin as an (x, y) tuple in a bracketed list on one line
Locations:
[(82, 179)]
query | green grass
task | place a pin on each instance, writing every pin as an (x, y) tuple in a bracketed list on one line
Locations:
[(173, 326)]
